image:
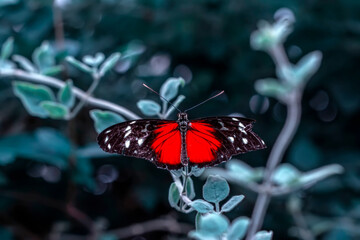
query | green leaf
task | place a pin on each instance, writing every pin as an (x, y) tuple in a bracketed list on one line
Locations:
[(307, 66), (286, 174), (196, 171), (174, 195), (83, 173), (202, 206), (148, 107), (215, 189), (238, 228), (51, 71), (241, 171), (233, 201), (105, 119), (177, 173), (55, 110), (43, 57), (94, 61), (271, 87), (6, 158), (263, 235), (79, 65), (319, 174), (7, 48), (109, 63), (213, 224), (24, 63), (202, 235), (5, 3), (31, 95), (45, 145), (170, 88), (66, 96), (190, 191)]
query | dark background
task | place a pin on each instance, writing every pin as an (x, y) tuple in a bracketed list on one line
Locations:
[(209, 40)]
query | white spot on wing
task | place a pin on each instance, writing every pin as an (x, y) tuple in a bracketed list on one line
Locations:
[(140, 141), (108, 131), (127, 143), (223, 126), (128, 128), (127, 133), (132, 122), (242, 130), (106, 139), (231, 139), (235, 119), (262, 142), (109, 146), (241, 125), (237, 148), (245, 141)]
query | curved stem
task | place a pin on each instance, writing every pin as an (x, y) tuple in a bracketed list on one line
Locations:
[(277, 153), (81, 104), (53, 82)]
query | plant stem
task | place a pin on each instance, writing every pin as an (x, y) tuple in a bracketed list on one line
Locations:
[(93, 86), (53, 82), (277, 153)]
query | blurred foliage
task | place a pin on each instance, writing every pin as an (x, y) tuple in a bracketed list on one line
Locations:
[(207, 44)]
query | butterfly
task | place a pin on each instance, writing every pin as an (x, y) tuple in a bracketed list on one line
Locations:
[(175, 144)]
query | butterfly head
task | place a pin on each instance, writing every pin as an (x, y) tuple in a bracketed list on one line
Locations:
[(182, 116), (183, 121)]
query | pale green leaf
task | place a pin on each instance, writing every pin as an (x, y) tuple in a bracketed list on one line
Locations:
[(55, 110), (7, 48), (105, 119), (238, 228), (170, 88), (149, 107), (231, 203), (213, 224), (202, 206), (109, 63), (174, 195), (31, 95), (79, 65), (66, 96), (263, 235), (271, 87), (215, 189), (286, 174)]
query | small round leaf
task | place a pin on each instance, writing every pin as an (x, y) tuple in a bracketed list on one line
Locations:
[(202, 206), (215, 189)]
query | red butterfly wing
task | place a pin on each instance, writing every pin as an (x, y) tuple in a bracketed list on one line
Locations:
[(213, 140), (158, 141)]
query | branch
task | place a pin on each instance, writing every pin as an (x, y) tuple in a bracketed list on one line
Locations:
[(277, 153), (38, 78)]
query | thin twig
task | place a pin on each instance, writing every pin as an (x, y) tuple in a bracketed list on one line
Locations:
[(89, 92), (293, 104), (53, 82)]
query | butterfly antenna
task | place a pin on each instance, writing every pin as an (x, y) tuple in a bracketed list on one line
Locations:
[(204, 101), (161, 96)]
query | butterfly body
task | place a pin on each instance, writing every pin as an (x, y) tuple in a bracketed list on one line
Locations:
[(175, 144)]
